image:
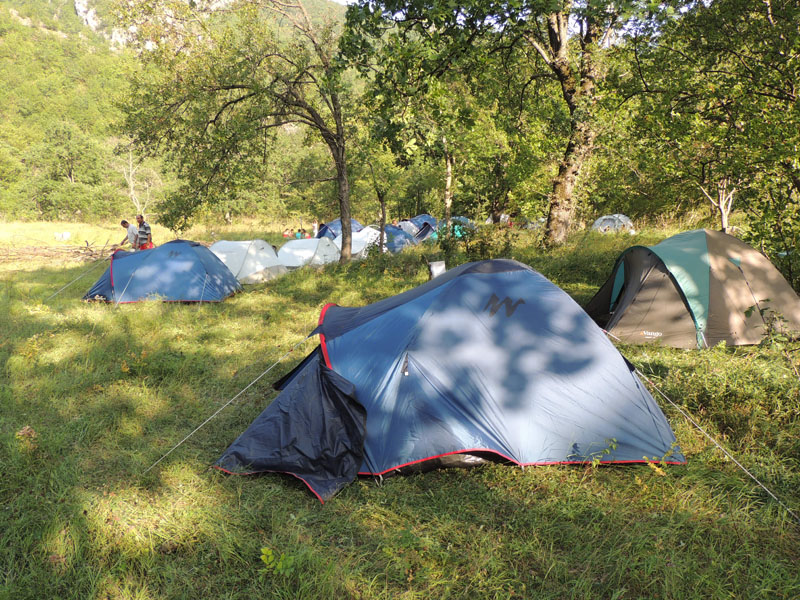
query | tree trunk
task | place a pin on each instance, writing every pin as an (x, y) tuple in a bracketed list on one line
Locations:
[(579, 94), (381, 194), (448, 185), (343, 189), (562, 206), (382, 239), (723, 201)]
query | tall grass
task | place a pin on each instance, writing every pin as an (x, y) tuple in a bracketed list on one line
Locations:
[(92, 395)]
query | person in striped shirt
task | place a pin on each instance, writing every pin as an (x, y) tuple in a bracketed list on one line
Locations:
[(145, 239)]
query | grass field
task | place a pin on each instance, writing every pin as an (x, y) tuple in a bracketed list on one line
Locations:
[(92, 395)]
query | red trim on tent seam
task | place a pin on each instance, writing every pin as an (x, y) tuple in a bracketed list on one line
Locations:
[(183, 301), (322, 343), (530, 464), (281, 472), (111, 270)]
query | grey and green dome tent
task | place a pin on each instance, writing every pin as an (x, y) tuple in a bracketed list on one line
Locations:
[(695, 289)]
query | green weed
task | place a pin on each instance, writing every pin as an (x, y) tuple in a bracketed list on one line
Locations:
[(92, 395)]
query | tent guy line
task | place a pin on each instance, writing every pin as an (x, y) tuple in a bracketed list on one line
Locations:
[(92, 266), (689, 418), (221, 408)]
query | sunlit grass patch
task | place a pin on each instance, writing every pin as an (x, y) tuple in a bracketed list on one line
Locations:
[(93, 394)]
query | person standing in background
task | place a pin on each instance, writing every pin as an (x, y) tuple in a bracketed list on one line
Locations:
[(145, 237), (132, 234)]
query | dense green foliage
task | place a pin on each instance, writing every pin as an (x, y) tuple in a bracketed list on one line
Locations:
[(691, 105), (89, 403), (58, 120)]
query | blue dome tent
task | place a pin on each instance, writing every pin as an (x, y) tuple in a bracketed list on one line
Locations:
[(426, 232), (178, 271), (397, 239), (488, 360), (333, 229), (420, 220)]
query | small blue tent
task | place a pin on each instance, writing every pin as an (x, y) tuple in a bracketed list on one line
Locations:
[(178, 271), (490, 360), (333, 229), (420, 220), (397, 239), (426, 232)]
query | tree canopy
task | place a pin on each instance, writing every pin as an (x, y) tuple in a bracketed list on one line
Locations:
[(538, 109)]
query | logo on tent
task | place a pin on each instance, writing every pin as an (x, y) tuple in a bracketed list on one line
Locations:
[(494, 305), (651, 335)]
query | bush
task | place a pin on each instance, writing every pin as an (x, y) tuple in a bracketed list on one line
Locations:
[(488, 241)]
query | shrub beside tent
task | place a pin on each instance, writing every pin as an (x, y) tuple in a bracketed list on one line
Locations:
[(695, 289), (314, 252), (178, 271), (252, 261), (489, 360)]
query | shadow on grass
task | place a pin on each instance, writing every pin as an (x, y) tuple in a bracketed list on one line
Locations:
[(108, 391)]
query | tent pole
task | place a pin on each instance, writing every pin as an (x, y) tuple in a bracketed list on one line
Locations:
[(202, 293), (125, 288)]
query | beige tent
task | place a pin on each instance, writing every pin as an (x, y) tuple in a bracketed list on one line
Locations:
[(695, 289)]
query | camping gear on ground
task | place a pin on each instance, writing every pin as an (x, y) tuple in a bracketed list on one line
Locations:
[(613, 223), (694, 289), (314, 252), (436, 268), (333, 228), (251, 261), (178, 271), (488, 360), (361, 242)]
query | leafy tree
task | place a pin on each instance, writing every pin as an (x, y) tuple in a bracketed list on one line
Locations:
[(56, 114), (143, 181), (718, 91), (67, 154), (412, 40), (216, 85)]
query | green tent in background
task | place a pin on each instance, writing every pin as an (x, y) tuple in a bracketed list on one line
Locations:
[(695, 289)]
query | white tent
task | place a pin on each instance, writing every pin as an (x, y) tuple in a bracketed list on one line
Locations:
[(315, 252), (251, 261), (361, 242), (613, 223)]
